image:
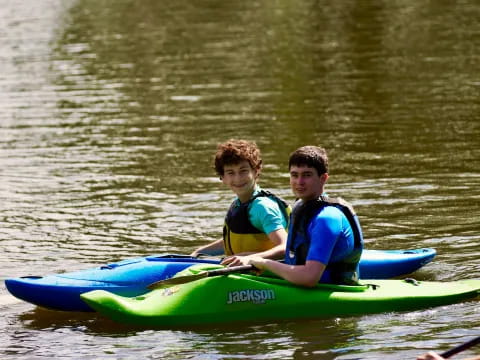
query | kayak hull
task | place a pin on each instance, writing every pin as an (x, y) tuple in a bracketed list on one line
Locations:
[(240, 298), (130, 277)]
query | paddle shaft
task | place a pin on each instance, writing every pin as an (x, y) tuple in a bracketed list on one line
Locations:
[(460, 348), (188, 278), (229, 270)]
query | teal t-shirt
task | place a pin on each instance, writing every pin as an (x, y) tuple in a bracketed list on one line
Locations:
[(265, 214)]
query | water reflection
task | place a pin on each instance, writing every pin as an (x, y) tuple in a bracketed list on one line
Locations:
[(111, 112), (172, 85), (336, 338), (298, 339)]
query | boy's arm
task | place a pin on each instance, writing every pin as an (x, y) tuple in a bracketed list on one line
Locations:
[(214, 248), (279, 237), (306, 275)]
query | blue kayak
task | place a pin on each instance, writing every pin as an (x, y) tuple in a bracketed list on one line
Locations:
[(130, 277)]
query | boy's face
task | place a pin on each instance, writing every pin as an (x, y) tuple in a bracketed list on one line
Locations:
[(241, 178), (305, 182)]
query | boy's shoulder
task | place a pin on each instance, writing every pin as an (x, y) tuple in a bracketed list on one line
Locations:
[(265, 203)]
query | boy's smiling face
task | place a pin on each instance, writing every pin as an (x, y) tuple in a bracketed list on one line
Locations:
[(241, 178)]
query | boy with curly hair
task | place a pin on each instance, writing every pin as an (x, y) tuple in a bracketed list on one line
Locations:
[(257, 220)]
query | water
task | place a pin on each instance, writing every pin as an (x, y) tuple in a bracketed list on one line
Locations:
[(111, 112)]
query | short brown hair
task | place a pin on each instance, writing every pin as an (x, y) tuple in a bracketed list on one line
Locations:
[(312, 156), (234, 151)]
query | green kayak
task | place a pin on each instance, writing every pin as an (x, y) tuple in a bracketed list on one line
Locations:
[(242, 297)]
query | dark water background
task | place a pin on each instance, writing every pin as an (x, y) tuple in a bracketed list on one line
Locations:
[(111, 111)]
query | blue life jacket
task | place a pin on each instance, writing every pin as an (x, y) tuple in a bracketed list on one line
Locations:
[(344, 271)]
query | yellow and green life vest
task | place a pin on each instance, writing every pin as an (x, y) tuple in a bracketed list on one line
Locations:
[(239, 235)]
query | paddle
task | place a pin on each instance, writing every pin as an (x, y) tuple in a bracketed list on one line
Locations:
[(182, 256), (201, 275), (460, 348)]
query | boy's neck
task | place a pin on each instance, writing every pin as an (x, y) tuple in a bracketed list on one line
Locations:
[(245, 197), (316, 196)]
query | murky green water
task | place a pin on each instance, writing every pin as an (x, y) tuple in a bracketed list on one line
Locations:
[(111, 112)]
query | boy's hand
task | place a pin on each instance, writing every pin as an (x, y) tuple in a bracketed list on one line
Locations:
[(430, 356), (235, 260), (257, 261)]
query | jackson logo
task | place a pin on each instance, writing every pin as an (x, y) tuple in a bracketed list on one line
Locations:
[(255, 296)]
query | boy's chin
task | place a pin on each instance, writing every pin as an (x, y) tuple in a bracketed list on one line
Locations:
[(305, 196)]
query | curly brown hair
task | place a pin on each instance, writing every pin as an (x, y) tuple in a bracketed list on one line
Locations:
[(234, 151)]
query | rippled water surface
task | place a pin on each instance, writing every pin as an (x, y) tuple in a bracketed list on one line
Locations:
[(111, 112)]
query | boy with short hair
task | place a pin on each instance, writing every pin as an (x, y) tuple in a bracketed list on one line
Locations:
[(325, 240)]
